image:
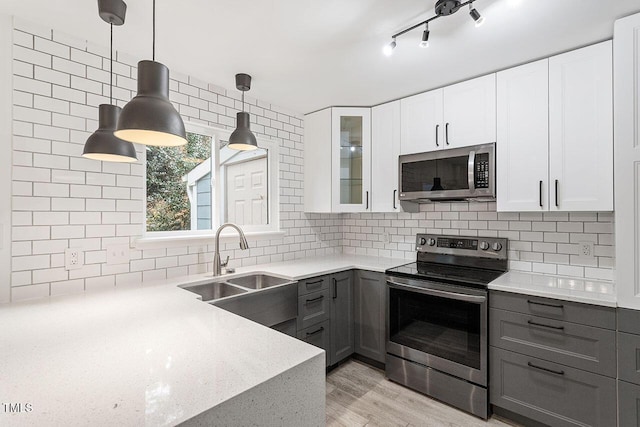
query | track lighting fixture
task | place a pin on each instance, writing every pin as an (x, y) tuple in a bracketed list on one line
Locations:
[(479, 20), (442, 8), (388, 49), (103, 144), (425, 38)]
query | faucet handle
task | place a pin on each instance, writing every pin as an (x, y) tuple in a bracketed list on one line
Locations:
[(224, 264)]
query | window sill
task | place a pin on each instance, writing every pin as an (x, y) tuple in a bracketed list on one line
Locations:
[(209, 239)]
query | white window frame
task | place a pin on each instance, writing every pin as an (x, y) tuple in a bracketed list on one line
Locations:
[(256, 232)]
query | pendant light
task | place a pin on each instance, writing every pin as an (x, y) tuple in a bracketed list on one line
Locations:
[(150, 118), (102, 144), (242, 138)]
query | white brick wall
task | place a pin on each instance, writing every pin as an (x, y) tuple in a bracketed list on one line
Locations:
[(62, 200), (538, 242)]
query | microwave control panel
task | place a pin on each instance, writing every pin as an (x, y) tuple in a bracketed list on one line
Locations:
[(481, 173)]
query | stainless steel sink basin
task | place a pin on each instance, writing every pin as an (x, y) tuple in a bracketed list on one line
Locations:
[(257, 281), (215, 290)]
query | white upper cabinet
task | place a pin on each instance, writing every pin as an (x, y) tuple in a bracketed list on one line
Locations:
[(317, 161), (581, 129), (385, 149), (523, 138), (626, 63), (351, 159), (470, 112), (422, 122), (455, 116)]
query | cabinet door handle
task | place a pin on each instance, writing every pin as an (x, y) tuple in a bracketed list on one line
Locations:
[(394, 199), (367, 208), (437, 129), (315, 332), (553, 371), (314, 283), (532, 323), (335, 288), (314, 299), (540, 193), (556, 193), (546, 304), (446, 133)]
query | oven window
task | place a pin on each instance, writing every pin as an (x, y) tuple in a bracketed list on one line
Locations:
[(443, 327), (451, 173)]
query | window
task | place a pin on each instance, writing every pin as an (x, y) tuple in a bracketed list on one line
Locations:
[(191, 190)]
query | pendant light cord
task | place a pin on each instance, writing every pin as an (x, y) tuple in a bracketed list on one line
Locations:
[(243, 101), (154, 30), (111, 68)]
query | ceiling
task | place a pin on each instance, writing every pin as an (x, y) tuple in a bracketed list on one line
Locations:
[(305, 55)]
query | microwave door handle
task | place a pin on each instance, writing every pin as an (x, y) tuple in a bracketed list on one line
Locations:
[(470, 171)]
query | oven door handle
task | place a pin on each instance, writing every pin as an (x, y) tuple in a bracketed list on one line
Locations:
[(437, 292)]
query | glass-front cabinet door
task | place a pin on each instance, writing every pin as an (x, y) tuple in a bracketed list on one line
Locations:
[(351, 159)]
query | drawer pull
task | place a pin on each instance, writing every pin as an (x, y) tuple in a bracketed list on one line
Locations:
[(546, 304), (315, 332), (317, 282), (553, 371), (314, 299), (560, 328)]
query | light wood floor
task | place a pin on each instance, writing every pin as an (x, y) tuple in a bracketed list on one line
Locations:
[(359, 395)]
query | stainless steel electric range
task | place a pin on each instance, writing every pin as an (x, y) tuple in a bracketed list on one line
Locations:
[(437, 323)]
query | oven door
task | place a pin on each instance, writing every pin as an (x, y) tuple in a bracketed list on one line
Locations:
[(441, 326)]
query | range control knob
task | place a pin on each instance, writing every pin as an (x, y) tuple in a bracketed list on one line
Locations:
[(484, 246), (431, 242), (422, 241), (496, 246)]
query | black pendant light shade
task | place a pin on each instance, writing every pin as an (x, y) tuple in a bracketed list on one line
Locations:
[(242, 138), (150, 118), (103, 145)]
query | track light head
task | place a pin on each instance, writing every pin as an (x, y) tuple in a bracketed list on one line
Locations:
[(388, 49), (475, 15), (424, 43)]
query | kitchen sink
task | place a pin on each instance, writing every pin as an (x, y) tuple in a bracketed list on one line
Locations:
[(215, 290), (257, 281)]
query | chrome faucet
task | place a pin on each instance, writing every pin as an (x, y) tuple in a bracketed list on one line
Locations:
[(217, 262)]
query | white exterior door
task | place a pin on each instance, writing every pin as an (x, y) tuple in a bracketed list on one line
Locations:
[(581, 129), (523, 138), (421, 123), (351, 159), (247, 192), (470, 112), (385, 149), (627, 159)]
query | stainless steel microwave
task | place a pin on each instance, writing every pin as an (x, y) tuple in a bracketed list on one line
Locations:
[(453, 174)]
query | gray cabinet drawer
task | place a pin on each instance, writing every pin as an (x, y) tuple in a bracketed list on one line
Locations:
[(551, 393), (290, 327), (318, 335), (629, 357), (579, 346), (313, 308), (586, 314), (313, 284), (628, 404), (629, 321)]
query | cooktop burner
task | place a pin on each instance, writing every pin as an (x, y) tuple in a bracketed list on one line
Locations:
[(446, 273)]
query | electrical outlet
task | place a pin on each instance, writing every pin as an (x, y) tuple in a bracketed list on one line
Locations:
[(73, 259), (118, 254), (586, 249), (387, 237)]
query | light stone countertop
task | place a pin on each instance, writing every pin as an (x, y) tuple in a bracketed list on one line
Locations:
[(560, 287), (154, 355)]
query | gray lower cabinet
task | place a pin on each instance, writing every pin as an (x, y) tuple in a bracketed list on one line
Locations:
[(551, 393), (313, 308), (370, 304), (341, 316), (553, 361), (628, 367)]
